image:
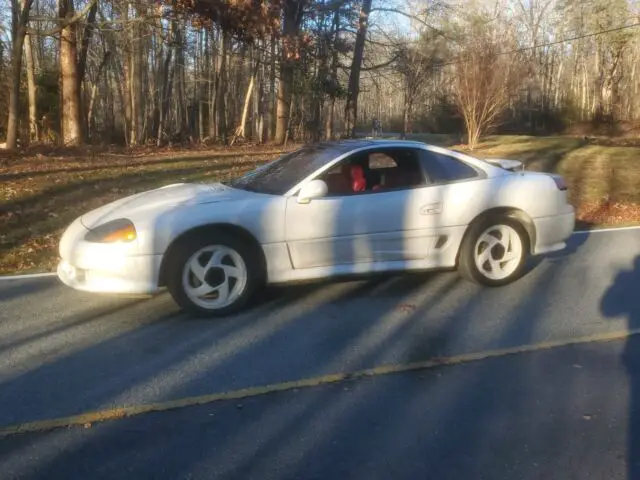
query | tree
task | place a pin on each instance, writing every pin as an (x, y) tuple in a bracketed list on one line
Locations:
[(19, 20), (293, 12), (417, 63), (534, 12), (351, 109), (485, 79), (333, 83), (71, 118), (31, 90), (196, 70)]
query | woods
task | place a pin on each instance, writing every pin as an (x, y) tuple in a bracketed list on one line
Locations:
[(130, 72)]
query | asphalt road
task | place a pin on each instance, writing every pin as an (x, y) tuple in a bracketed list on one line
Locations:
[(564, 413)]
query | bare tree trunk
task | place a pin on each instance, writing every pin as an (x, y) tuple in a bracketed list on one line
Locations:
[(71, 121), (291, 26), (240, 131), (318, 97), (351, 110), (289, 118), (330, 115), (284, 102), (131, 95), (260, 106), (221, 86), (20, 18), (34, 133), (179, 101), (86, 40), (271, 130), (110, 119), (405, 116), (126, 70), (139, 64), (92, 98), (167, 85), (213, 90), (135, 81), (200, 91), (598, 97), (160, 78), (557, 86), (183, 103)]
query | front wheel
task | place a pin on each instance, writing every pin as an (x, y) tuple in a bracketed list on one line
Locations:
[(494, 252), (213, 277)]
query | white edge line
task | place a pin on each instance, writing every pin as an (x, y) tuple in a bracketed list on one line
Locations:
[(578, 232), (604, 230), (27, 276)]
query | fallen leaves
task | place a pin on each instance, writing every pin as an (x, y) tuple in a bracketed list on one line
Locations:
[(406, 308), (42, 191), (38, 206), (607, 213)]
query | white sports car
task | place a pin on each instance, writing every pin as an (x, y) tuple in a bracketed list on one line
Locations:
[(334, 209)]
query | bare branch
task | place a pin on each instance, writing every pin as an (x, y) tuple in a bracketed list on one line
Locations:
[(76, 18), (412, 17)]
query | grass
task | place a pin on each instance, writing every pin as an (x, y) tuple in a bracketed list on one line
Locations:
[(41, 195), (603, 175)]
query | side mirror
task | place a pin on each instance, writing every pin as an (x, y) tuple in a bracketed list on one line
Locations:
[(311, 190)]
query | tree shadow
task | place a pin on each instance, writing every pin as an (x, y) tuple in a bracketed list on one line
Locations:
[(546, 159), (621, 300), (317, 330), (14, 289), (444, 423), (430, 418), (53, 209), (133, 163)]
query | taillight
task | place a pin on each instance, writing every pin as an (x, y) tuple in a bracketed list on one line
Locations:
[(560, 183)]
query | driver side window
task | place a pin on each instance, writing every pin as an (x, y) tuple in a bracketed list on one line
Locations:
[(374, 171)]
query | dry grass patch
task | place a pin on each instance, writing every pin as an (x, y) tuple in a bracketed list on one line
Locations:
[(41, 193)]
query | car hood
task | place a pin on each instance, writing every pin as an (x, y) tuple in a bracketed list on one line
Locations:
[(162, 199)]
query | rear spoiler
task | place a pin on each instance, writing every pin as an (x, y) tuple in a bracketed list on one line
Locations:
[(511, 165)]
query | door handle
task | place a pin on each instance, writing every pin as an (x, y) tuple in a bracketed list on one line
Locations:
[(431, 209)]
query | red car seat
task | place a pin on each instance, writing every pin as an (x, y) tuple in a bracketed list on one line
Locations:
[(358, 182)]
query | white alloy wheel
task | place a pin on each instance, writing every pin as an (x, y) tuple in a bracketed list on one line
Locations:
[(214, 277), (498, 252)]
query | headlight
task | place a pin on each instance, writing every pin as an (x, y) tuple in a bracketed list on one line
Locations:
[(121, 230)]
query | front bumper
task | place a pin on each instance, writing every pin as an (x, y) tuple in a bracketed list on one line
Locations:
[(134, 275), (105, 268)]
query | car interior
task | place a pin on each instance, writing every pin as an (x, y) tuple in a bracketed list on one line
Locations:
[(375, 171)]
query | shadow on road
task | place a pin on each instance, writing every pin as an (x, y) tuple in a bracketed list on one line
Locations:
[(154, 355), (14, 289), (623, 299)]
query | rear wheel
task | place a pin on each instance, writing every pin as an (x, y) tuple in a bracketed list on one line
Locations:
[(213, 276), (494, 251)]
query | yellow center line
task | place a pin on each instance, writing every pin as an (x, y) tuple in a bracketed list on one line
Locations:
[(88, 418)]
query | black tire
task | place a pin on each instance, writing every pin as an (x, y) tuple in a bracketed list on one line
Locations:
[(466, 261), (180, 255)]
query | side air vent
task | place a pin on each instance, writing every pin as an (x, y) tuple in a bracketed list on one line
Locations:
[(441, 241)]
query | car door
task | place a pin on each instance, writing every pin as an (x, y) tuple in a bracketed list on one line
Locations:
[(398, 223)]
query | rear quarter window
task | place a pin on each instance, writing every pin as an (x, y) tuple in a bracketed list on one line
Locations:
[(381, 160), (443, 168)]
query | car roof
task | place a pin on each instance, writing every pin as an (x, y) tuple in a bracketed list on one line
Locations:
[(352, 144), (342, 147), (345, 146)]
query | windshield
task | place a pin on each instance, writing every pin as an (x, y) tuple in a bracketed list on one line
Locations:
[(281, 175)]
